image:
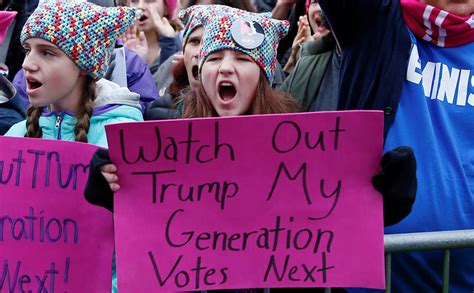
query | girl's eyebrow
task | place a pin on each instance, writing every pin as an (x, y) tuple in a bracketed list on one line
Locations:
[(47, 46), (42, 46), (238, 53)]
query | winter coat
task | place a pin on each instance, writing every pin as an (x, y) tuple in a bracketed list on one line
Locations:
[(304, 81)]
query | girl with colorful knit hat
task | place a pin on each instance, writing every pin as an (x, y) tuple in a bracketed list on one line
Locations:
[(68, 45), (236, 64), (180, 72)]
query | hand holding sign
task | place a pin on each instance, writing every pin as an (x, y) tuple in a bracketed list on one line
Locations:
[(109, 171)]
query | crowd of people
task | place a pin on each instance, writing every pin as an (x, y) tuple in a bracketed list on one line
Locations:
[(141, 60)]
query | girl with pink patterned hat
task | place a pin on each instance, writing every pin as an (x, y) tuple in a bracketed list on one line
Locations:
[(68, 45)]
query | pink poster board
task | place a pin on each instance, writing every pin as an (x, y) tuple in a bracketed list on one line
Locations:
[(249, 202), (51, 238)]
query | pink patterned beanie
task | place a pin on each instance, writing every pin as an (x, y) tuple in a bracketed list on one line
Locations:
[(254, 34)]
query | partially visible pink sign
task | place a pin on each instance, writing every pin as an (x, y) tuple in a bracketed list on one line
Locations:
[(249, 202), (51, 238)]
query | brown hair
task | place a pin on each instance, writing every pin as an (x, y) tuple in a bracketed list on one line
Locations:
[(266, 101), (86, 107), (32, 122), (180, 79)]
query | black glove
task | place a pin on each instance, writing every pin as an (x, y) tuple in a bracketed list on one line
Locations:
[(98, 190), (397, 182)]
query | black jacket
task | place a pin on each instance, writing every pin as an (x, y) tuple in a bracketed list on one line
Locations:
[(12, 108)]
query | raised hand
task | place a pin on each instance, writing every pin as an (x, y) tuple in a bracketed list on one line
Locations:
[(162, 24), (303, 35), (138, 44)]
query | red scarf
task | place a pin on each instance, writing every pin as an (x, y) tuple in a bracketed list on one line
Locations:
[(437, 26)]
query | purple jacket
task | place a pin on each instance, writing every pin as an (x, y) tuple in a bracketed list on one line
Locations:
[(138, 77)]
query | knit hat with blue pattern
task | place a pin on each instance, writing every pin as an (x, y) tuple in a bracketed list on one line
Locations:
[(191, 18), (254, 34), (84, 31)]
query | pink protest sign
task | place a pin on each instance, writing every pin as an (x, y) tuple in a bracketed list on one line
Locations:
[(249, 202), (51, 238)]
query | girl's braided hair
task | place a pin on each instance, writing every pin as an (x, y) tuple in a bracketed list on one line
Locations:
[(86, 107), (32, 122)]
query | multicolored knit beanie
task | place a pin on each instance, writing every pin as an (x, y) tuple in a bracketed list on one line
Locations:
[(254, 34), (191, 18), (84, 31)]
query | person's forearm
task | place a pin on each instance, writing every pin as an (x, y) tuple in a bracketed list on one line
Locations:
[(281, 9), (290, 64)]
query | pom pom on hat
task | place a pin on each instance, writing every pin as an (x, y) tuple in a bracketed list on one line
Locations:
[(254, 34), (84, 31)]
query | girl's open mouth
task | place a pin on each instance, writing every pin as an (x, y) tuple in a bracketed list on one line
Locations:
[(227, 91), (195, 71), (318, 22), (33, 84)]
